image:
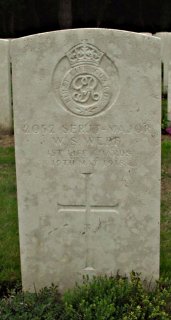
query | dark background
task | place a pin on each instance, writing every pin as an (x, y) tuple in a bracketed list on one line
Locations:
[(23, 17)]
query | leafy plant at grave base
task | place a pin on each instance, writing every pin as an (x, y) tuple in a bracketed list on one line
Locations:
[(117, 298), (45, 305), (103, 298), (7, 286)]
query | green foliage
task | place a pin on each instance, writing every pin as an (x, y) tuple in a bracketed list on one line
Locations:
[(165, 121), (7, 156), (165, 231), (9, 238), (102, 298), (116, 299), (45, 305), (166, 152)]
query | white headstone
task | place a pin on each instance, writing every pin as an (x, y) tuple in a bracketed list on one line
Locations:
[(169, 95), (5, 88), (87, 133), (146, 33), (165, 55)]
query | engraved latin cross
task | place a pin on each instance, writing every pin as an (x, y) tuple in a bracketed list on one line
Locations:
[(87, 209)]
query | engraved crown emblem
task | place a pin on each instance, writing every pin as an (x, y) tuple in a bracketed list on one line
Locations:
[(84, 53)]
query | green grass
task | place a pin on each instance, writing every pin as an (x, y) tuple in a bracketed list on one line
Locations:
[(165, 257), (166, 153), (9, 243), (9, 239), (164, 123)]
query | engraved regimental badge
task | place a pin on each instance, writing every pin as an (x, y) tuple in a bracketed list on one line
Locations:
[(88, 80)]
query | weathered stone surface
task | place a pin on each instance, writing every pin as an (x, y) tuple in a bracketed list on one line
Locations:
[(87, 133), (146, 33), (5, 88), (165, 55), (169, 95)]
